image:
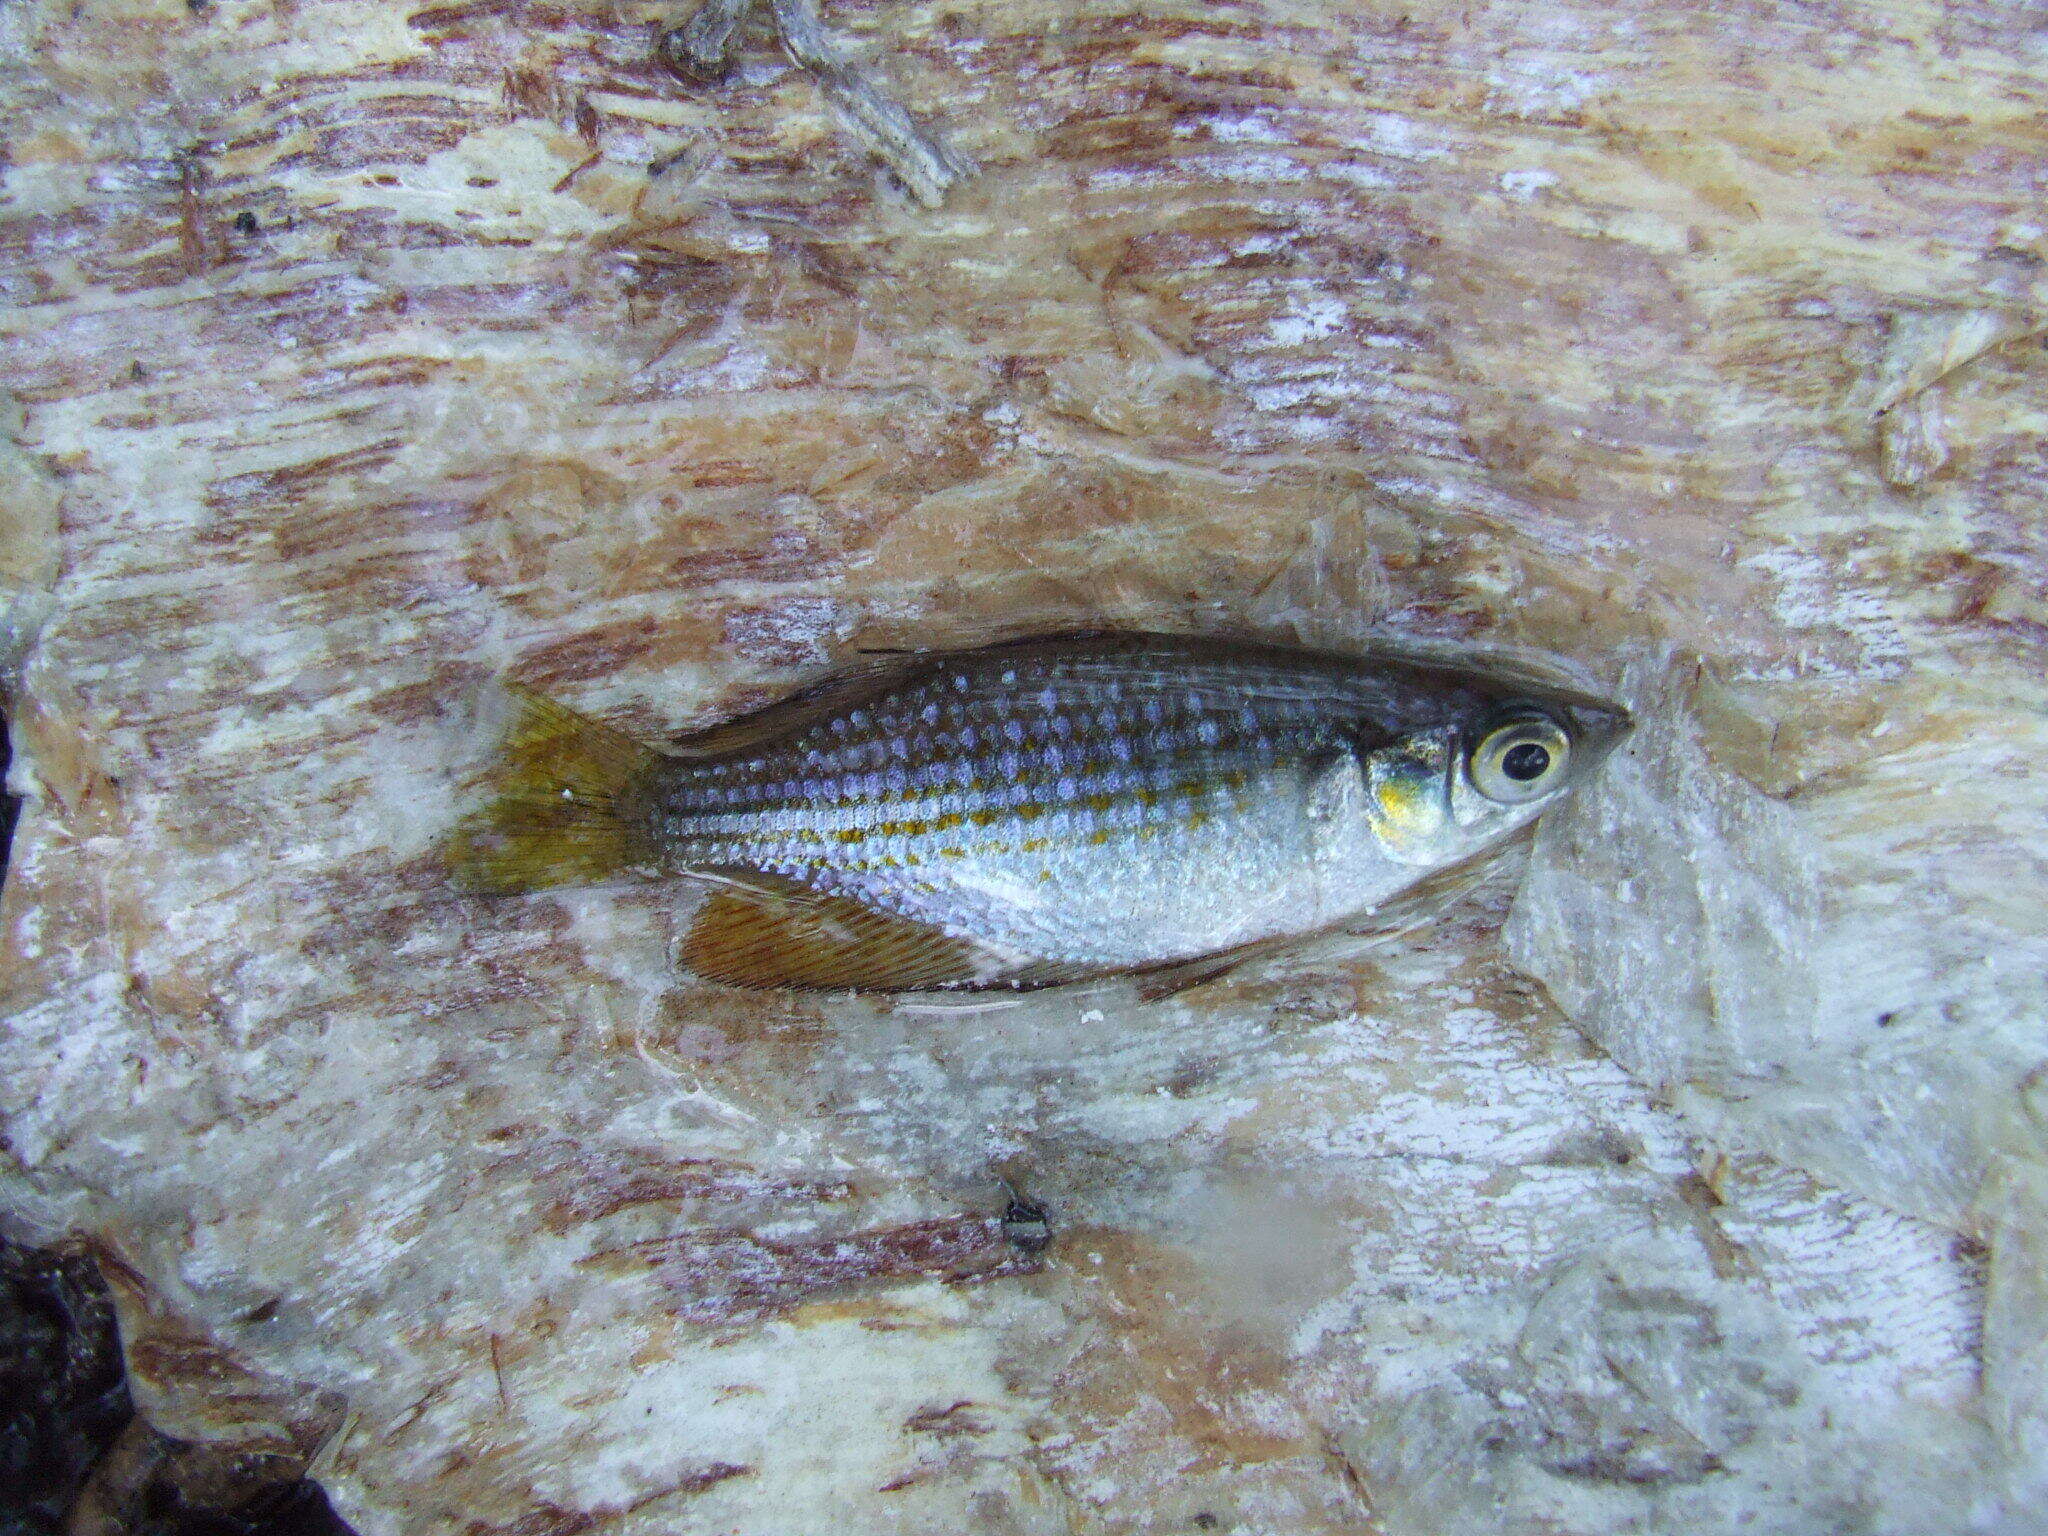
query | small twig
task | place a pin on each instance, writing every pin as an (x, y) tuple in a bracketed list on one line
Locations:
[(705, 48), (802, 30), (576, 170), (926, 168), (498, 1370)]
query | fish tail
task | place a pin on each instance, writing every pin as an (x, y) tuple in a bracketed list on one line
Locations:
[(568, 804)]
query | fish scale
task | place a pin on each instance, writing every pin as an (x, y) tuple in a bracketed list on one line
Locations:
[(944, 775)]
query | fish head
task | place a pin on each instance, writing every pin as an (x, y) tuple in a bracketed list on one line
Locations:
[(1440, 792)]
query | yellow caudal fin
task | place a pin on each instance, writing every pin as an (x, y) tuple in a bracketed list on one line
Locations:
[(568, 804)]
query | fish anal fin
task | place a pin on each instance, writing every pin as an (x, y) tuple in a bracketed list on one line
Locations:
[(752, 935)]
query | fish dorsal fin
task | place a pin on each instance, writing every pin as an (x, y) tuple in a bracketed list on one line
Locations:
[(758, 931), (787, 717)]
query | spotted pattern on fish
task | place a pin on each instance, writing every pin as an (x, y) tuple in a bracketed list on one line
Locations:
[(902, 783), (984, 794)]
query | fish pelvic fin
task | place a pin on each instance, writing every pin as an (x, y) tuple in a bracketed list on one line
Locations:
[(568, 804)]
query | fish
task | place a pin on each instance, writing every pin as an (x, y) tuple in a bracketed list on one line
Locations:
[(1040, 812)]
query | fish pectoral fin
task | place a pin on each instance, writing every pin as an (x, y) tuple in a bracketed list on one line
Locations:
[(1157, 983), (752, 934), (1162, 982), (1430, 897)]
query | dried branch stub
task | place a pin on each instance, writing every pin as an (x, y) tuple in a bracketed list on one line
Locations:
[(705, 48)]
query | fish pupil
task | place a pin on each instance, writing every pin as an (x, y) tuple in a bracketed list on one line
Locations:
[(1525, 761)]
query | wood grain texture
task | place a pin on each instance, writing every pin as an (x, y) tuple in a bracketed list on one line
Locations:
[(362, 351)]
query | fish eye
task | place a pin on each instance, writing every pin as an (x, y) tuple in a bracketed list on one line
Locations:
[(1521, 760)]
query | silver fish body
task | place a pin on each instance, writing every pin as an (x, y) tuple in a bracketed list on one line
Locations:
[(1032, 813), (1118, 802)]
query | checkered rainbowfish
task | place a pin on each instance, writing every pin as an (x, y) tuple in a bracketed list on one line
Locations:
[(1039, 812)]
